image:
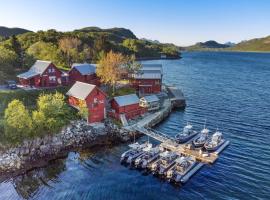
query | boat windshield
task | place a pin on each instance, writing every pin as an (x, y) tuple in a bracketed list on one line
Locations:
[(187, 129)]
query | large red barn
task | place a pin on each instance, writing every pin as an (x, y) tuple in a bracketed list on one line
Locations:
[(94, 98), (41, 74), (83, 72), (149, 79), (127, 105)]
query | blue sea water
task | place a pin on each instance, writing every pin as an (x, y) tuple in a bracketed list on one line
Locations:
[(230, 90)]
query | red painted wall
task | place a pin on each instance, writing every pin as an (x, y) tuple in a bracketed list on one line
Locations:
[(43, 80), (75, 75), (154, 85), (96, 102), (130, 111), (45, 77)]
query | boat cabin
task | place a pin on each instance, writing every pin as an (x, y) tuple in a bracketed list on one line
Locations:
[(90, 96), (41, 74)]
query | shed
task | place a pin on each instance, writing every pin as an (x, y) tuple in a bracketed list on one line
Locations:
[(91, 96), (129, 105), (151, 102), (84, 72), (148, 79)]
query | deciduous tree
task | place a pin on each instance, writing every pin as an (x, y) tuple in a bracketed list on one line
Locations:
[(17, 121)]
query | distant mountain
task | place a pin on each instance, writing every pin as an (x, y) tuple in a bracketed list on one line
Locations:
[(208, 45), (118, 34), (7, 32), (258, 44), (231, 44), (152, 41)]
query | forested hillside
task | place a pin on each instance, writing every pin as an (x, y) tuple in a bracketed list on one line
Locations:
[(17, 53)]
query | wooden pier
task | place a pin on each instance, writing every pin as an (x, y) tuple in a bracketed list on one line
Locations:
[(169, 143)]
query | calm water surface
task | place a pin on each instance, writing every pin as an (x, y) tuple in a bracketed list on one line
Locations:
[(230, 90)]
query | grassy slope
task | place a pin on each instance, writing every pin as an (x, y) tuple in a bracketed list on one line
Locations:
[(260, 44)]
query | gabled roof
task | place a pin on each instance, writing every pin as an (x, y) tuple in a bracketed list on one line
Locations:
[(147, 75), (81, 90), (38, 68), (85, 68), (28, 74), (151, 98), (152, 67), (149, 71), (126, 100)]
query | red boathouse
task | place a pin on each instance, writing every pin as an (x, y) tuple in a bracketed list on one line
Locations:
[(92, 96), (41, 74), (148, 80), (84, 73), (127, 105)]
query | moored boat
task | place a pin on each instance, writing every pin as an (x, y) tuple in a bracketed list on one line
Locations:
[(139, 152), (135, 149), (186, 134), (215, 142), (201, 140), (148, 157), (167, 159), (181, 167)]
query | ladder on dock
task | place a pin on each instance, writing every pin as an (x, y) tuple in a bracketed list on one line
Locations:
[(123, 119)]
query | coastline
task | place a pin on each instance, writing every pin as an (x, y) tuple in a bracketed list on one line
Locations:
[(76, 136)]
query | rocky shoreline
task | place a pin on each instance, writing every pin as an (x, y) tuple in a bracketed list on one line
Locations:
[(78, 135)]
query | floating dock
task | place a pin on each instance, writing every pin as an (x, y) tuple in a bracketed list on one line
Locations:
[(186, 149)]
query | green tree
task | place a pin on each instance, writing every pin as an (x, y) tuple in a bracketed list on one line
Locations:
[(70, 47), (7, 60), (83, 110), (44, 51), (15, 45), (54, 109), (39, 122), (17, 121)]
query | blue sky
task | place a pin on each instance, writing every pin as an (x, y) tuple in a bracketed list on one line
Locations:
[(182, 22)]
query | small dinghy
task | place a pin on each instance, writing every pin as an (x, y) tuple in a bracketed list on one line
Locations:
[(181, 167), (202, 139), (215, 142), (146, 158), (134, 152), (186, 135)]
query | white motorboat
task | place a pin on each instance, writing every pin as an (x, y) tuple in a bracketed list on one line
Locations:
[(186, 135), (166, 160), (215, 142), (201, 140), (143, 148), (135, 148), (148, 157), (181, 167)]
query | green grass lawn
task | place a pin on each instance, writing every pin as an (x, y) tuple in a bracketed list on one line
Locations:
[(121, 91)]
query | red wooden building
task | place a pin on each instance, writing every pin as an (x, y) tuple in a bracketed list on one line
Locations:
[(92, 96), (42, 74), (83, 72), (127, 105), (149, 79)]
